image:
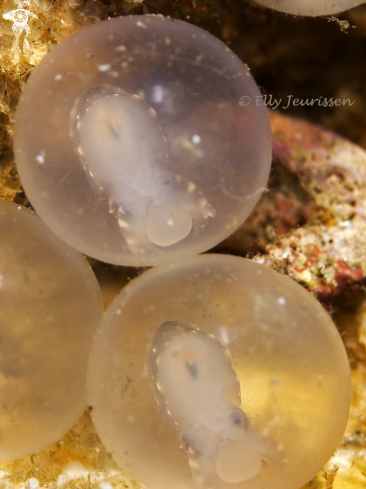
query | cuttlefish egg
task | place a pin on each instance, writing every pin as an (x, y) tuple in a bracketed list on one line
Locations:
[(133, 142), (217, 372), (311, 8), (50, 306)]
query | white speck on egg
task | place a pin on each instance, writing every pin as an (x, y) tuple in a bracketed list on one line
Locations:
[(196, 139), (41, 157), (141, 24), (58, 77), (105, 67), (282, 301), (118, 312)]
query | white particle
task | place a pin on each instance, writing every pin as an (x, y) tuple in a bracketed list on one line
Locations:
[(196, 139), (141, 24), (105, 67), (344, 224), (32, 483), (75, 470), (40, 159), (170, 222), (118, 312), (282, 301), (121, 48), (105, 485), (58, 77)]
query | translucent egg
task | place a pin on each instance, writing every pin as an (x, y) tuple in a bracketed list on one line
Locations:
[(218, 373), (311, 7), (50, 306), (133, 142)]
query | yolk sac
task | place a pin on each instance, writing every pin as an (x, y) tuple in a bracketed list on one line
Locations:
[(133, 146), (311, 8), (50, 306), (218, 373)]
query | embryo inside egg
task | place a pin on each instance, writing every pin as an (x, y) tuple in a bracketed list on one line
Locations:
[(198, 390), (138, 150), (218, 372), (311, 7)]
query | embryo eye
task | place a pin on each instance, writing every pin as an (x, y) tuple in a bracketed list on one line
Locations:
[(237, 418)]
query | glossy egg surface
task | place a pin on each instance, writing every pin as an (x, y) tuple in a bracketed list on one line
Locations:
[(218, 372), (50, 306), (133, 142), (311, 8)]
